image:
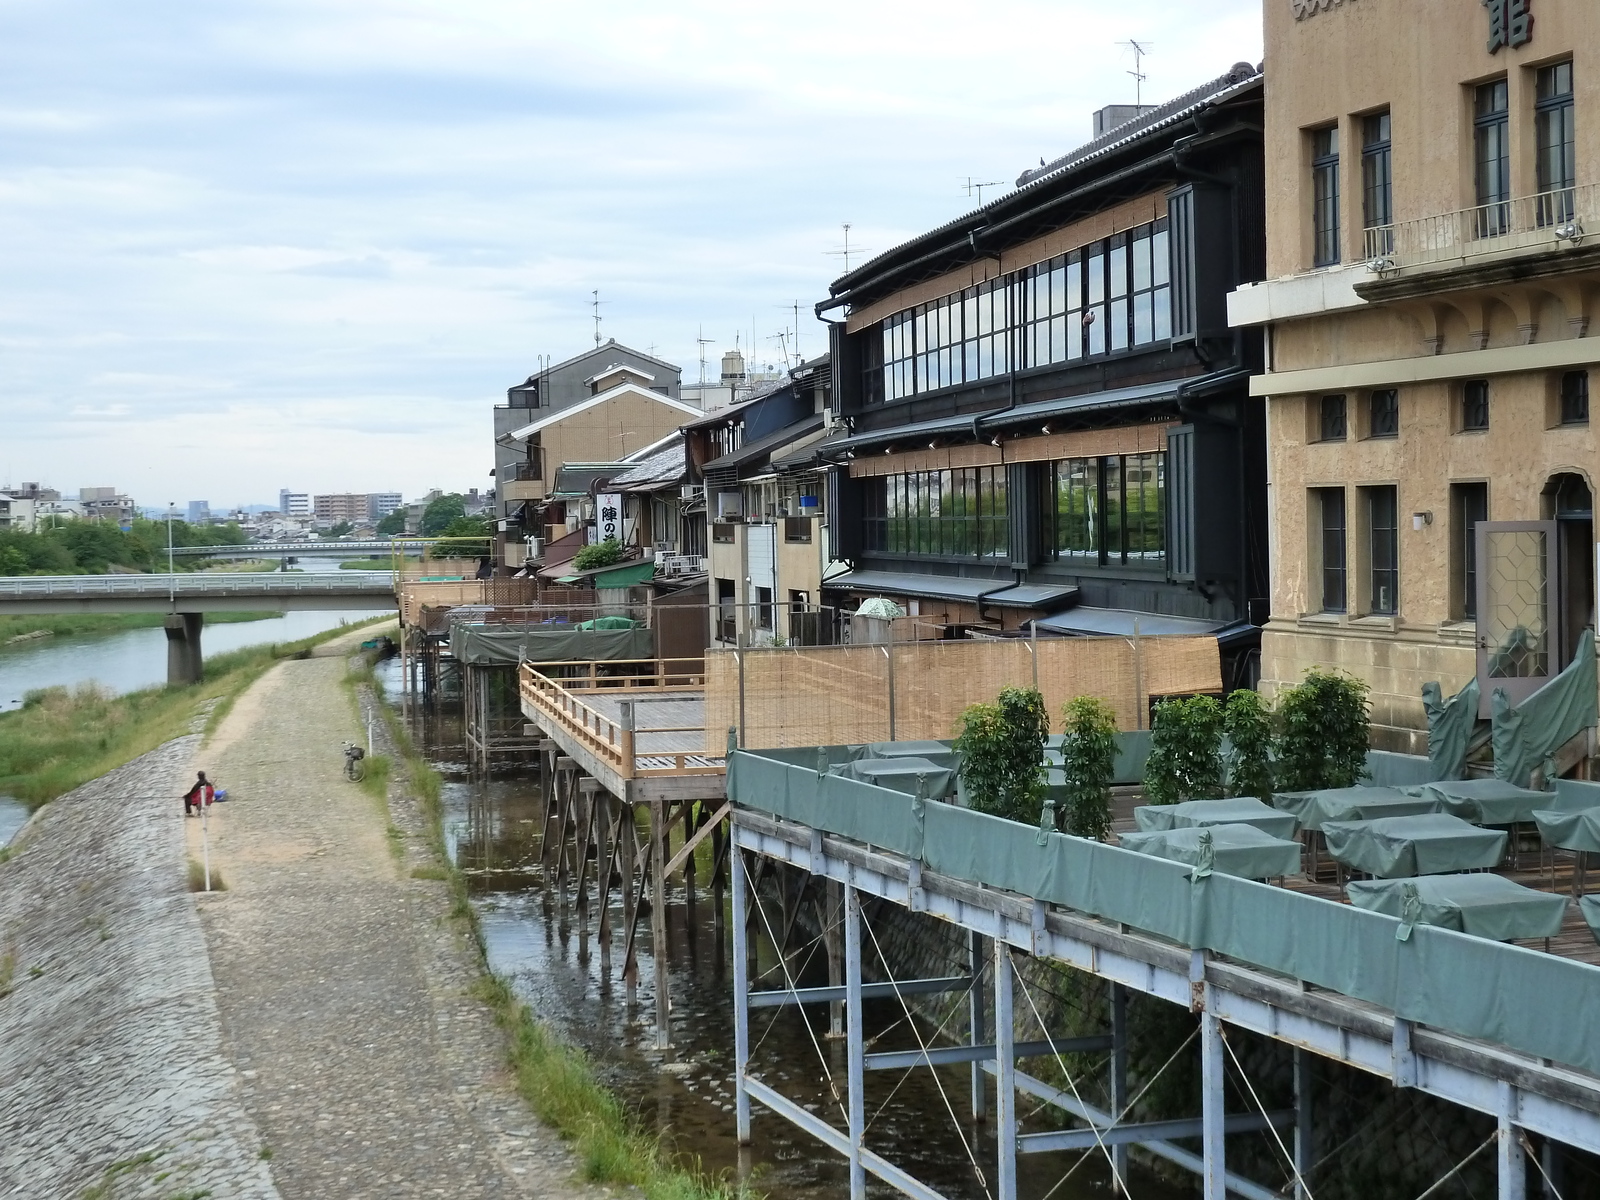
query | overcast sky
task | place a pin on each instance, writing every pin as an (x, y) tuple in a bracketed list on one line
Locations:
[(274, 243)]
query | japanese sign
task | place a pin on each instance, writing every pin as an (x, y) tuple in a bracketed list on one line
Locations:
[(608, 515), (1510, 23)]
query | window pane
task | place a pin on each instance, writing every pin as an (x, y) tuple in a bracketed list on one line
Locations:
[(1111, 488), (1331, 504), (1160, 264), (1094, 332), (1119, 324), (1141, 262), (1117, 267), (1163, 313), (1382, 506), (1384, 411), (1143, 319), (1333, 427), (1475, 404)]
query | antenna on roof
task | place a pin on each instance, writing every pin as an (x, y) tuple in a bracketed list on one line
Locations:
[(595, 304), (848, 248), (973, 185), (703, 341), (1140, 49)]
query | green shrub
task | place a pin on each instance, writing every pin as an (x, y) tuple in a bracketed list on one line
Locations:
[(1089, 756), (600, 554), (1185, 751), (1323, 732), (1248, 724), (1002, 754)]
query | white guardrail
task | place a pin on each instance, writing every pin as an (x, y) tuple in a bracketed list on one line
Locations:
[(274, 549), (39, 587)]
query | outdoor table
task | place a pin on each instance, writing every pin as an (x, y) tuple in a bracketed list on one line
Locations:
[(935, 752), (1241, 850), (1316, 808), (1488, 906), (1589, 909), (1426, 844), (1576, 831), (900, 774), (1200, 814), (1484, 801)]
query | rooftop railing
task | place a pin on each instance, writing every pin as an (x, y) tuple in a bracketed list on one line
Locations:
[(1543, 221)]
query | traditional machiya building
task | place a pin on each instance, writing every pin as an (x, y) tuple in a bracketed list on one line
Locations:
[(1432, 262), (1040, 414)]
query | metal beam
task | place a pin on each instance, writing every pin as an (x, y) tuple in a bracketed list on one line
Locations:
[(1005, 1134), (855, 1039), (938, 1056), (1139, 1134), (741, 988), (775, 997), (1213, 1101)]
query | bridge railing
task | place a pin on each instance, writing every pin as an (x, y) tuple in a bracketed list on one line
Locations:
[(44, 586)]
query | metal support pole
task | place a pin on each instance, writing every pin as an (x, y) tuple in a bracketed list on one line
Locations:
[(658, 920), (1510, 1157), (854, 1039), (889, 652), (1005, 1106), (1119, 1077), (741, 998), (977, 1026), (1212, 1108), (1302, 1121), (833, 901)]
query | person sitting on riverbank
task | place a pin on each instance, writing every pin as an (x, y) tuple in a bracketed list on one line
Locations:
[(201, 793)]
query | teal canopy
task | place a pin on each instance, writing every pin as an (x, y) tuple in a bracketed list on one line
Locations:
[(935, 752), (1429, 844), (1570, 830), (1201, 814), (1316, 808), (1241, 850), (1526, 737), (496, 645), (1488, 906), (901, 775), (611, 623), (1484, 801)]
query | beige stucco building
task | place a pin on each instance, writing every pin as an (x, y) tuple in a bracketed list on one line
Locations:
[(1433, 234)]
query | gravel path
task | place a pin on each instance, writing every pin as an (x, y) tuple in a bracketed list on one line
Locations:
[(342, 981)]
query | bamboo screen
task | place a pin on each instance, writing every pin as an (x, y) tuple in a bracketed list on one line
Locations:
[(836, 695)]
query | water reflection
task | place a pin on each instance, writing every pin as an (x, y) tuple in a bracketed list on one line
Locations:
[(12, 814)]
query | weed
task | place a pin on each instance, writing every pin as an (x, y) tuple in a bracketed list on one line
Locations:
[(35, 971), (264, 1154), (5, 853), (197, 877), (376, 781), (397, 842), (430, 872), (108, 1177), (8, 969)]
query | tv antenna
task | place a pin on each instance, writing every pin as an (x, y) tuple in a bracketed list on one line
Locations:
[(848, 248), (595, 304), (702, 341), (972, 185), (1140, 49)]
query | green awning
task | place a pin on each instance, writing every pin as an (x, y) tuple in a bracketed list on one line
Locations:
[(635, 572)]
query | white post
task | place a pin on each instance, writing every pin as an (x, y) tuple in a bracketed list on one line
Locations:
[(854, 1035), (1005, 1104), (741, 986), (205, 840), (1213, 1102), (1511, 1159)]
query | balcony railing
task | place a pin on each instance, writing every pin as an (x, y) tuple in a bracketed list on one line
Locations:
[(1542, 221)]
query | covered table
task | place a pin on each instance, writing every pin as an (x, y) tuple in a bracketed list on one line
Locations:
[(1241, 850), (1577, 831), (1426, 844), (1484, 801), (900, 774), (1200, 814), (935, 752), (1316, 808), (1589, 909), (1488, 906)]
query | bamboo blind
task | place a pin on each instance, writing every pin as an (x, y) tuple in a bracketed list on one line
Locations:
[(836, 695)]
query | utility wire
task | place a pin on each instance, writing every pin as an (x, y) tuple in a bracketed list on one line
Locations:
[(1287, 1157)]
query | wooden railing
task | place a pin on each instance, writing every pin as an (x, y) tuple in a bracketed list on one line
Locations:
[(632, 675), (614, 741)]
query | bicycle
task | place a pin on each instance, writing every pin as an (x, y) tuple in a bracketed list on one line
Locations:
[(355, 766)]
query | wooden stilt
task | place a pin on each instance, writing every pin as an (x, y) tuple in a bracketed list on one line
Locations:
[(659, 951)]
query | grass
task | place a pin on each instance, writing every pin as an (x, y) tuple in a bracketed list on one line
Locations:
[(8, 973), (63, 624), (553, 1077), (367, 564), (197, 877), (61, 739)]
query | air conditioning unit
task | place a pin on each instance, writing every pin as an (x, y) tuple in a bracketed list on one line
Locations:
[(730, 505), (689, 491), (535, 547)]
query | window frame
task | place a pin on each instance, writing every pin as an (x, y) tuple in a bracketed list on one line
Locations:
[(1382, 569), (1472, 404), (1383, 422), (1103, 484), (1573, 395), (1333, 549), (957, 514), (1469, 505), (1556, 183), (1377, 183), (1491, 157), (1330, 416), (1325, 248)]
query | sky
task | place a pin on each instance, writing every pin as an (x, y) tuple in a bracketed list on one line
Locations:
[(308, 244)]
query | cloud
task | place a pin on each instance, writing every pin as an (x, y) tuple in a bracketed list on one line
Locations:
[(309, 243)]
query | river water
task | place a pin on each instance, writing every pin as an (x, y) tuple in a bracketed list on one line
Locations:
[(555, 966)]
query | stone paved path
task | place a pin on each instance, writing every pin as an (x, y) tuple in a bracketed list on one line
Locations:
[(111, 1069), (342, 982)]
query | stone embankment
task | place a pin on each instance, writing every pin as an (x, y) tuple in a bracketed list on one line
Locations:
[(309, 1033)]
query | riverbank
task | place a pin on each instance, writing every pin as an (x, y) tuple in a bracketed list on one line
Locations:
[(14, 629), (61, 739)]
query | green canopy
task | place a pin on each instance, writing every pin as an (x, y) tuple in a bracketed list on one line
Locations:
[(1429, 844), (627, 575), (1316, 808), (901, 775), (1241, 850), (1200, 814), (1488, 906), (1570, 830), (611, 623), (939, 753), (494, 645), (1484, 801)]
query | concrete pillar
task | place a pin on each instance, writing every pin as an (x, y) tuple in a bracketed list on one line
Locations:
[(184, 662), (1213, 1108), (1511, 1162)]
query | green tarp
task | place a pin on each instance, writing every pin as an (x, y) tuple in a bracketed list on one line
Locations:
[(1486, 906), (495, 645), (1526, 737), (1133, 750), (1484, 801), (914, 776), (1241, 850), (1316, 808), (1385, 768), (1198, 814), (1435, 977), (626, 576), (938, 753), (1429, 844), (611, 623), (1570, 830), (1450, 725), (1589, 909)]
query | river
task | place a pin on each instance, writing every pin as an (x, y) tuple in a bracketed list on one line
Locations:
[(554, 965)]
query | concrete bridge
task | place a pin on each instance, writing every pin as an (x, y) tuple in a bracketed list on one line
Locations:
[(303, 549), (187, 598)]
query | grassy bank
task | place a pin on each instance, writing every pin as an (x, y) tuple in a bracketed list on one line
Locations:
[(61, 739), (553, 1077), (367, 564), (63, 624)]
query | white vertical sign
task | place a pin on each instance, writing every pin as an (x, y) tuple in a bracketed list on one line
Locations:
[(608, 515)]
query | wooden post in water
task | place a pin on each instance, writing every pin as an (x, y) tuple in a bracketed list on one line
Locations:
[(658, 919), (628, 835)]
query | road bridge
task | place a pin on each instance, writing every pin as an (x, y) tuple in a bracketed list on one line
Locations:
[(302, 549), (187, 598)]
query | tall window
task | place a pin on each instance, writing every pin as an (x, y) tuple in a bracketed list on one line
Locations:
[(1332, 424), (939, 514), (1553, 139), (1377, 185), (1328, 505), (1383, 414), (1575, 398), (1492, 158), (1469, 504), (1475, 404), (1325, 196), (1383, 547), (1108, 511)]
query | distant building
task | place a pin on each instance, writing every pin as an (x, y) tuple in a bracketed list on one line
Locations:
[(199, 512), (294, 504), (381, 504), (106, 504), (30, 491), (340, 506), (16, 513)]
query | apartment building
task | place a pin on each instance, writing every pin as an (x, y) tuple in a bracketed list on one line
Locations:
[(340, 506), (1431, 212)]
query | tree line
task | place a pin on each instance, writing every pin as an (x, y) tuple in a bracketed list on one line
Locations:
[(79, 547)]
